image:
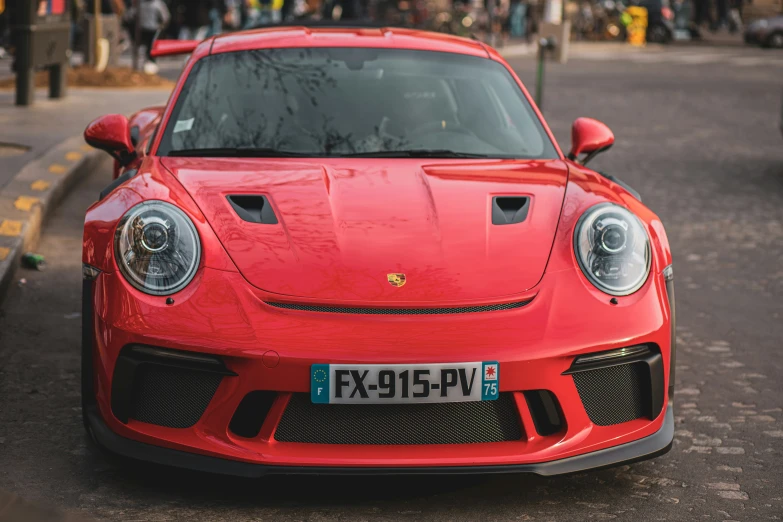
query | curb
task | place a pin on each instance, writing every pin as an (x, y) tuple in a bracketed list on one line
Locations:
[(28, 199)]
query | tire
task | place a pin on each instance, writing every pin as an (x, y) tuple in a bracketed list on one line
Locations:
[(775, 40), (87, 366)]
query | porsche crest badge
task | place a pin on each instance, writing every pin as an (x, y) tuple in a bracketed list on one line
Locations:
[(396, 280)]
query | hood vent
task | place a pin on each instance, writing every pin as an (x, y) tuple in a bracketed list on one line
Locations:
[(253, 208), (508, 210)]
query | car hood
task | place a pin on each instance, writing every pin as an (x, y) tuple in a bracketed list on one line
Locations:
[(343, 226)]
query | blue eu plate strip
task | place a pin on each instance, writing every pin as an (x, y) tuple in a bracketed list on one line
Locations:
[(319, 383)]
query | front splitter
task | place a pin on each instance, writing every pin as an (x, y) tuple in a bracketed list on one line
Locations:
[(649, 447)]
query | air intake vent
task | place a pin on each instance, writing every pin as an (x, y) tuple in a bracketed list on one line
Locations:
[(172, 397), (169, 388), (615, 394), (251, 413), (545, 410), (399, 311), (442, 423), (508, 210), (253, 208)]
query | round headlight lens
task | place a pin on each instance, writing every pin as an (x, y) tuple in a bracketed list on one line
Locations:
[(157, 248), (613, 249)]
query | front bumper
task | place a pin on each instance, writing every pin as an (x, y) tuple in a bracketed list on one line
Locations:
[(647, 448), (272, 349)]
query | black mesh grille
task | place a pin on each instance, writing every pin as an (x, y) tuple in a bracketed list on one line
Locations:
[(443, 423), (172, 397), (614, 394), (399, 311)]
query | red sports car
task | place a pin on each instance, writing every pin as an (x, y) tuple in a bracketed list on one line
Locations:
[(362, 251)]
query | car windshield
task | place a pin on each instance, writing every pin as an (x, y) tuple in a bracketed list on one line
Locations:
[(319, 102)]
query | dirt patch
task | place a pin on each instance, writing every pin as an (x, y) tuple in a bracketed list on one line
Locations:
[(115, 77)]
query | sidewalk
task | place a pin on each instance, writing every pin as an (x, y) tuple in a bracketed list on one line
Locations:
[(42, 154)]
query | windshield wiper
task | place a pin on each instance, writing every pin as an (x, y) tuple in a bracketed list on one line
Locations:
[(415, 153), (237, 152)]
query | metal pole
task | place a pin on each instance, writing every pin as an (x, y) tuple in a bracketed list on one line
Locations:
[(97, 40), (490, 5), (542, 46), (57, 80), (136, 33), (25, 84), (22, 33)]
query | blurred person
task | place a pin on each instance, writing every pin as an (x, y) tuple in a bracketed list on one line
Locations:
[(77, 15), (217, 14), (287, 10), (233, 17), (584, 23), (735, 16), (263, 12), (106, 7), (702, 14), (722, 11), (4, 29), (517, 25), (153, 16), (196, 21), (349, 9)]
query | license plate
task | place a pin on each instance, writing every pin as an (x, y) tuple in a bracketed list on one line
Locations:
[(404, 383)]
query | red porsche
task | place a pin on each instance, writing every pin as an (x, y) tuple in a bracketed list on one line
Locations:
[(362, 251)]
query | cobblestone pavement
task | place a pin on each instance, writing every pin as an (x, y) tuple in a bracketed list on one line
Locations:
[(700, 143)]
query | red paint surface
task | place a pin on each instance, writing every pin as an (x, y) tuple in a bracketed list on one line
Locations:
[(346, 223), (343, 225), (589, 135)]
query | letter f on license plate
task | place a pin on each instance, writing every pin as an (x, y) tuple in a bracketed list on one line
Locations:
[(404, 383)]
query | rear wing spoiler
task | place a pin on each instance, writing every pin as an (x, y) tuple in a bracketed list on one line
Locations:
[(173, 47)]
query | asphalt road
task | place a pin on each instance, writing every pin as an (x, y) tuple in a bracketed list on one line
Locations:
[(698, 139)]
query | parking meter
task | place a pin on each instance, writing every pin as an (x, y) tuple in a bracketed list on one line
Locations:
[(41, 30)]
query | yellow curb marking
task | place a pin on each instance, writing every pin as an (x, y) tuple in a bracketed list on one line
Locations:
[(40, 185), (73, 156), (25, 203), (56, 168), (9, 227), (86, 148), (4, 253)]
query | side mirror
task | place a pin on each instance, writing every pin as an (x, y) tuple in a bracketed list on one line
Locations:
[(591, 137), (112, 134)]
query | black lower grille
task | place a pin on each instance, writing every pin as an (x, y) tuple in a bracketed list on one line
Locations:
[(615, 394), (172, 397), (443, 423)]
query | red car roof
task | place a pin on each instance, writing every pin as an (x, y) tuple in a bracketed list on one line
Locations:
[(390, 38)]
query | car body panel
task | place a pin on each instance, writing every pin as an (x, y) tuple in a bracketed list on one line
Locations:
[(415, 211), (534, 345)]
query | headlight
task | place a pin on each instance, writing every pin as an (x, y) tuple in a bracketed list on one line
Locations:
[(157, 248), (612, 248)]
